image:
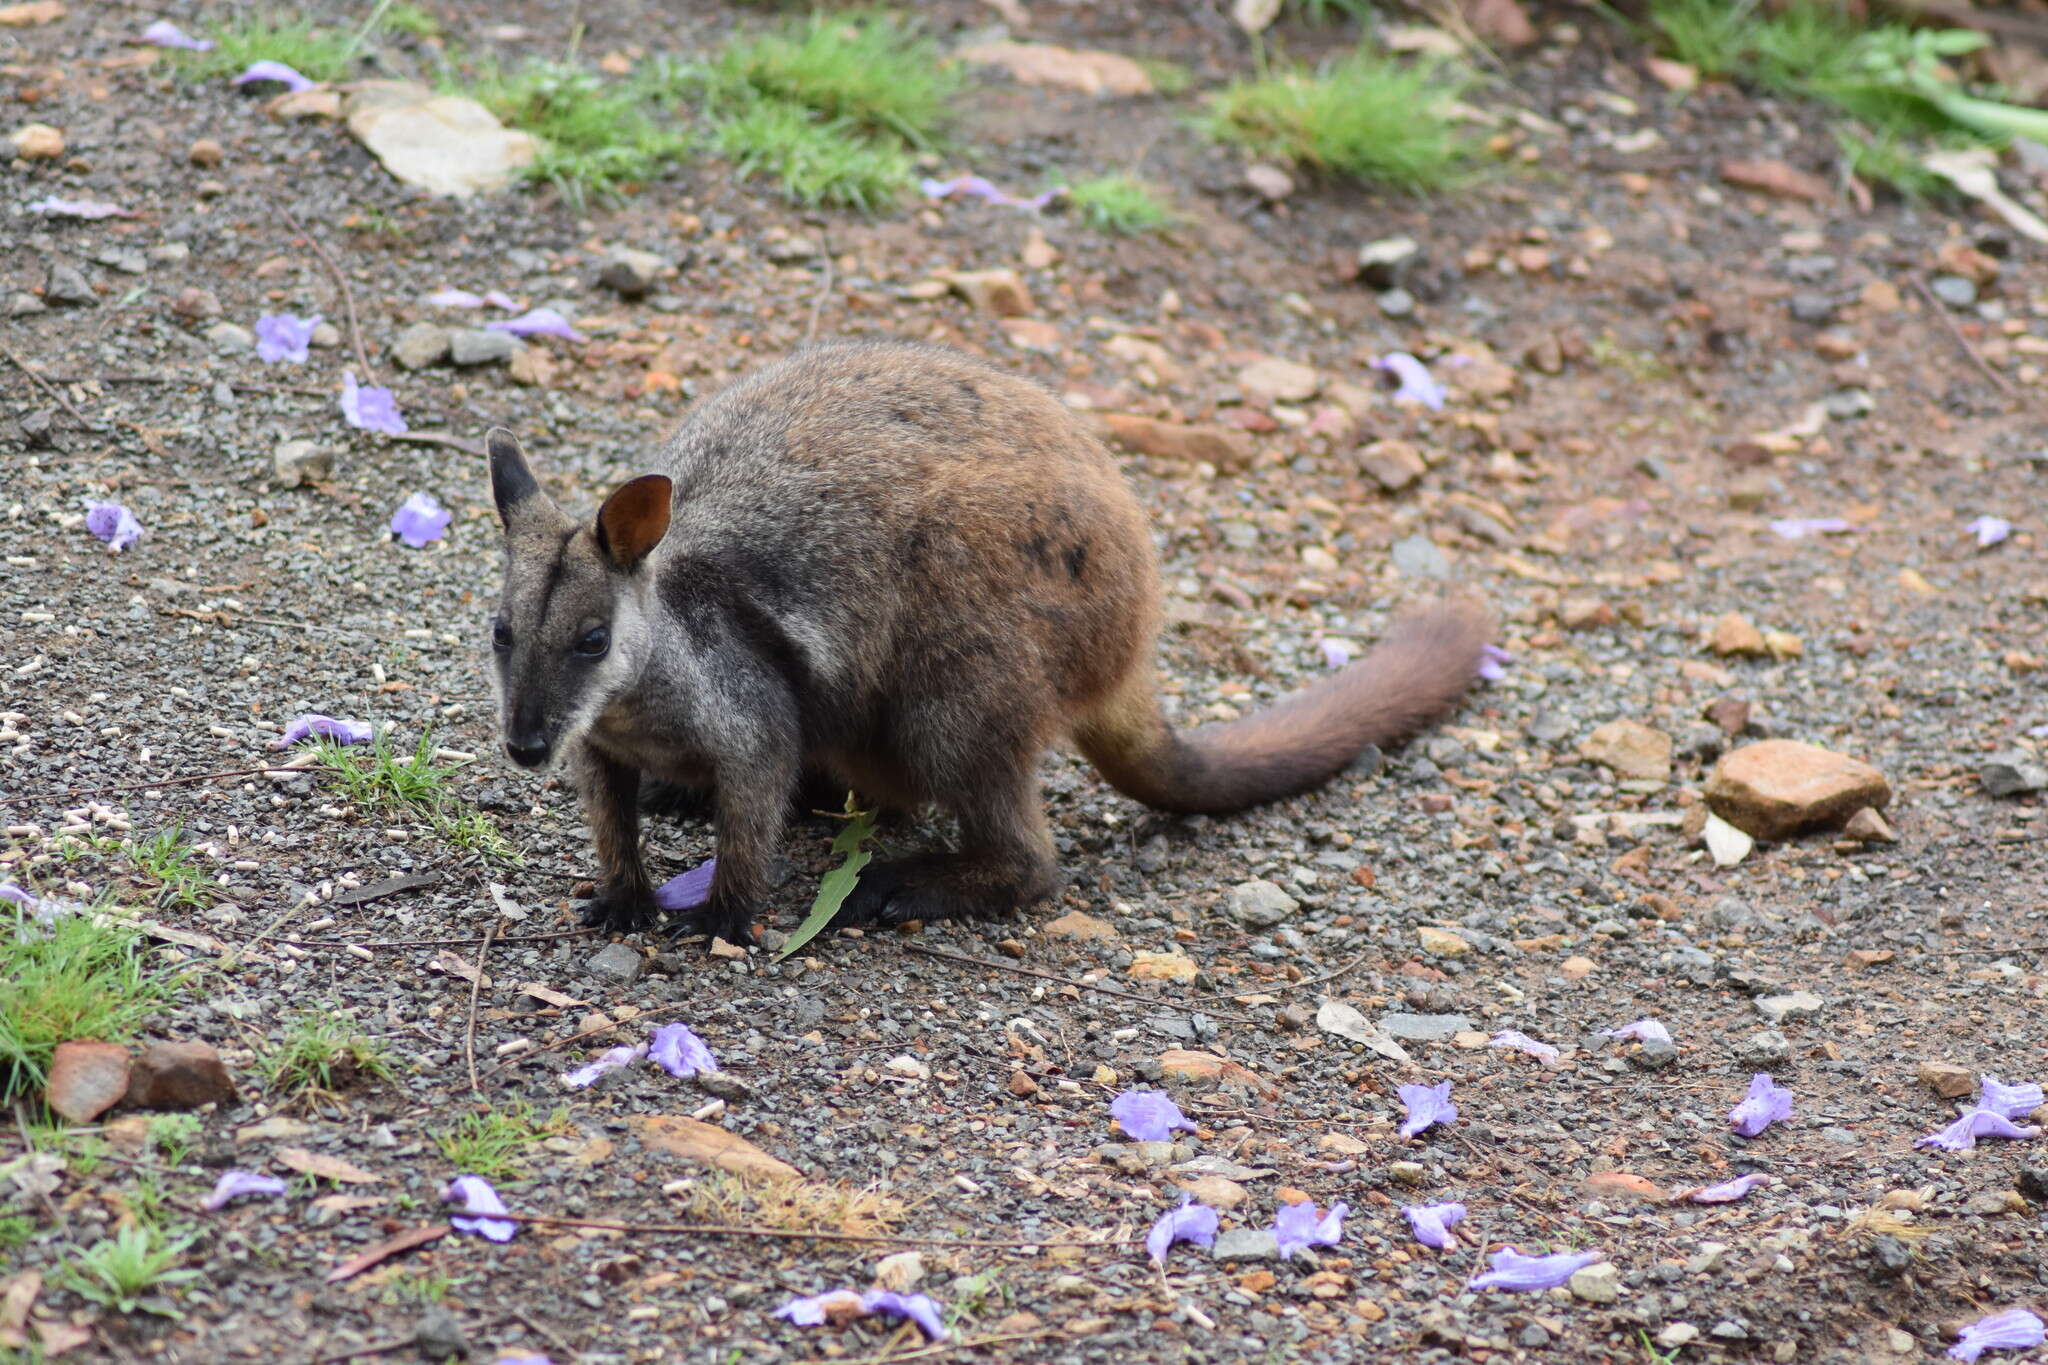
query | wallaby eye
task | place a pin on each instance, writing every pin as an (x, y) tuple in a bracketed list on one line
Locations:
[(595, 642), (501, 634)]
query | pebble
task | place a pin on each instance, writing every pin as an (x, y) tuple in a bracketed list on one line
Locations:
[(86, 1079), (1442, 942), (1596, 1283), (1844, 404), (195, 304), (791, 250), (2013, 773), (999, 293), (1957, 291), (1867, 826), (1632, 749), (1417, 556), (1778, 787), (482, 346), (298, 463), (439, 1335), (1653, 1054), (231, 337), (1762, 1051), (1393, 465), (1733, 634), (1792, 1005), (37, 142), (204, 152), (1424, 1028), (617, 962), (67, 285), (1726, 844), (1246, 1244), (1397, 303), (1381, 263), (1278, 380), (1948, 1080), (179, 1076), (629, 273), (24, 304), (1259, 904), (1269, 182), (1813, 309)]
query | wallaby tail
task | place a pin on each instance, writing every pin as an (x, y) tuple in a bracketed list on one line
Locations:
[(1413, 676)]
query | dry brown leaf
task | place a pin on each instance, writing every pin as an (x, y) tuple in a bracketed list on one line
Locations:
[(1775, 177), (15, 1301), (709, 1145), (1623, 1185), (403, 1242), (549, 995), (1183, 1064), (453, 964), (30, 15), (324, 1167)]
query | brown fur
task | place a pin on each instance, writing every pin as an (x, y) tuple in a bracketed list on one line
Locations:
[(911, 572)]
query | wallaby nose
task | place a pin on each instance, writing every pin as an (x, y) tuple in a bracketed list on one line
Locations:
[(527, 752)]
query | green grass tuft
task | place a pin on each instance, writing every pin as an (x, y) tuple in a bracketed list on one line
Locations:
[(491, 1143), (166, 859), (324, 54), (1805, 46), (863, 70), (596, 136), (412, 786), (1119, 203), (84, 975), (1366, 116), (1713, 36), (323, 1050), (116, 1272), (1882, 157), (816, 162)]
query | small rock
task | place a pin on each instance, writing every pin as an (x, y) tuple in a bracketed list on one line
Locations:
[(1889, 1258), (1653, 1054), (1163, 966), (631, 274), (179, 1076), (421, 345), (1868, 827), (1764, 1050), (1726, 844), (1274, 379), (1227, 450), (2013, 773), (901, 1271), (1397, 303), (791, 250), (1260, 904), (617, 961), (67, 286), (1778, 787), (1423, 1028), (1733, 634), (439, 1335), (1082, 928), (1815, 310), (195, 304), (1791, 1005), (204, 152), (1000, 293), (1585, 613), (24, 304), (1676, 1334), (1957, 291), (1246, 1244), (482, 346), (1022, 1085), (86, 1079), (1382, 263), (1417, 556), (1633, 750), (1393, 465), (299, 463), (1596, 1283), (1948, 1080), (37, 142), (38, 429), (2032, 1181), (1846, 404), (325, 336), (1442, 942), (1269, 182), (231, 337)]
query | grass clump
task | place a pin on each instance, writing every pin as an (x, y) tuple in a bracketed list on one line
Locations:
[(491, 1143), (596, 137), (815, 162), (81, 975), (1119, 203), (411, 786), (1713, 36), (117, 1271), (794, 1205), (310, 49), (1366, 116), (166, 859), (323, 1050)]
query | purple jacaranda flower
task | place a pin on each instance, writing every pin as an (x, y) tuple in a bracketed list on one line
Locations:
[(164, 33), (1513, 1270), (837, 1307), (1989, 531), (980, 188), (2013, 1330), (1432, 1222), (842, 1306), (679, 1052), (1764, 1105), (2009, 1101), (1798, 528), (274, 71), (284, 336), (327, 727), (1148, 1115), (19, 895), (1493, 661), (611, 1059), (1191, 1222), (1642, 1031), (1336, 653), (478, 1201), (1728, 1191), (544, 322), (420, 521), (113, 523), (78, 208), (372, 409), (687, 890), (918, 1308), (235, 1184), (1297, 1227), (1522, 1042), (1416, 385), (1978, 1123), (530, 1358), (1426, 1105)]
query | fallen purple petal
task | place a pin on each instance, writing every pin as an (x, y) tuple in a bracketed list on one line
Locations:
[(527, 1359), (274, 71), (1427, 1105), (498, 298), (78, 208), (1798, 528), (235, 1184), (679, 1052), (1513, 1270), (1191, 1222), (1728, 1191), (2013, 1330), (456, 298), (1147, 1115), (1432, 1222), (1962, 1135), (1296, 1227), (687, 890), (980, 188), (1415, 383), (1492, 662), (113, 523), (284, 336), (1336, 653), (1765, 1104), (2010, 1101), (1522, 1042), (478, 1201), (372, 409), (19, 895), (1642, 1031), (838, 1306), (917, 1308), (164, 33), (420, 521), (625, 1054), (1989, 531), (327, 727), (544, 322)]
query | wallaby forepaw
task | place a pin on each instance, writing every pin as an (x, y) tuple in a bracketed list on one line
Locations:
[(618, 910), (732, 924)]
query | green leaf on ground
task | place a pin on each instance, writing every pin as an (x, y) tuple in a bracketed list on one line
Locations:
[(837, 884)]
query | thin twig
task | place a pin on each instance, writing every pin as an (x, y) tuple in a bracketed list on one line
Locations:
[(433, 942), (476, 985), (229, 958), (801, 1235), (242, 385), (1984, 367), (50, 389), (348, 295), (1277, 988), (560, 1342), (939, 1348), (375, 1348), (1067, 981), (824, 290), (144, 786)]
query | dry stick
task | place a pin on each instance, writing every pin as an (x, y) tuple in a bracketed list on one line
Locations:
[(246, 385), (561, 1343), (143, 786), (939, 1348), (348, 295), (432, 942), (1934, 305), (375, 1348), (1065, 981), (824, 290), (476, 985), (50, 389), (800, 1235)]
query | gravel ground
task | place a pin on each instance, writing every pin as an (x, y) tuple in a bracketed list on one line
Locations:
[(1630, 326)]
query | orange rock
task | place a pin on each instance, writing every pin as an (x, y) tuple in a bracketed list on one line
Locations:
[(1175, 441), (1781, 786)]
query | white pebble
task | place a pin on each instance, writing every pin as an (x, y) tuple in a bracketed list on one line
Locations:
[(358, 950)]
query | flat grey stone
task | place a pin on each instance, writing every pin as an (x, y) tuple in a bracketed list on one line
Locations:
[(617, 962), (482, 346), (1260, 904), (1418, 557), (1246, 1244), (2012, 773), (1424, 1028), (1793, 1005), (420, 345), (297, 463)]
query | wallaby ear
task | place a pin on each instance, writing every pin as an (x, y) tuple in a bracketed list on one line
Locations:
[(633, 520), (512, 482)]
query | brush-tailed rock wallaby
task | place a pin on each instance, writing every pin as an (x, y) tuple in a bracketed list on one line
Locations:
[(900, 568)]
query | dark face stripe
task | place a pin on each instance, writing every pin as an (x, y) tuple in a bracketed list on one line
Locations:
[(553, 577)]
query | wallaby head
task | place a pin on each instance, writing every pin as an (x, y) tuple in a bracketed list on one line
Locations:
[(571, 633)]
